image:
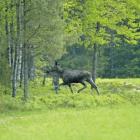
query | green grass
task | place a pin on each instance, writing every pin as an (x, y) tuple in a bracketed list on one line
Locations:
[(114, 115), (113, 92), (101, 123)]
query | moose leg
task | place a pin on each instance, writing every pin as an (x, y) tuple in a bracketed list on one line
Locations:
[(93, 85), (70, 88), (83, 87), (62, 84), (56, 87)]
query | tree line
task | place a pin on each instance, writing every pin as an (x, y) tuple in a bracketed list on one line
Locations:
[(35, 33)]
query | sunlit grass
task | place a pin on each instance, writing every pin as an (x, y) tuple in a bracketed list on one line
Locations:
[(104, 123)]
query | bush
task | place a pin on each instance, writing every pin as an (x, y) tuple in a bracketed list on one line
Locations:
[(113, 92)]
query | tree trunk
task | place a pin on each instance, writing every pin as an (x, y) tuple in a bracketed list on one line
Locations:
[(44, 80), (15, 66), (20, 28), (94, 62), (44, 77), (19, 62), (25, 53), (14, 74), (25, 70), (21, 72), (31, 66), (8, 35), (12, 43)]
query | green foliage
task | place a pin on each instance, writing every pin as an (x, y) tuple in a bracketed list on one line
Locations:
[(112, 16), (122, 61), (113, 93), (4, 67), (4, 90), (73, 11)]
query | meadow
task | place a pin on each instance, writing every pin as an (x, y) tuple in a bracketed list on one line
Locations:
[(114, 115)]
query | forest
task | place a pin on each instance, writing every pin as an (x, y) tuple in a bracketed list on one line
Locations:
[(99, 37)]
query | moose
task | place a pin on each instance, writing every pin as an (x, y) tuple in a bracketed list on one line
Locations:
[(72, 76)]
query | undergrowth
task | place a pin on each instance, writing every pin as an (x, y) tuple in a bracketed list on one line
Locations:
[(113, 92)]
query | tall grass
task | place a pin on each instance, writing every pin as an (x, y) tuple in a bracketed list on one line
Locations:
[(113, 92)]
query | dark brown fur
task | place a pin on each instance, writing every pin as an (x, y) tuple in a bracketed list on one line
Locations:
[(74, 76)]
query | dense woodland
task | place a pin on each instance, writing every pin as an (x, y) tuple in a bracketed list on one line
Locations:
[(99, 36)]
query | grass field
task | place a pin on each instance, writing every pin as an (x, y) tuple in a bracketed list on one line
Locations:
[(114, 115), (118, 123)]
